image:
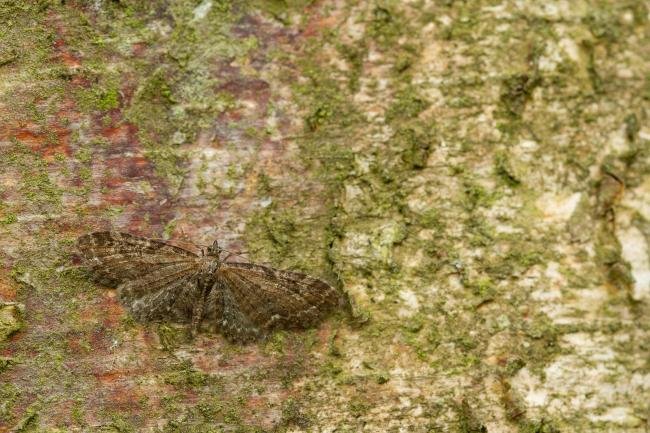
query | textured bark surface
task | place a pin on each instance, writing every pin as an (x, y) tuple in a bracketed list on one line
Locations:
[(474, 174)]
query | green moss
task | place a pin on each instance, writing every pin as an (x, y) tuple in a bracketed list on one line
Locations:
[(7, 55), (324, 102), (354, 54), (282, 10), (8, 219), (422, 335), (476, 196), (608, 255), (505, 170), (646, 88), (604, 25), (320, 116), (275, 227), (78, 415), (540, 426), (467, 422), (464, 27), (28, 423), (171, 337), (169, 228), (632, 127), (516, 92), (9, 394), (294, 415), (167, 163), (277, 343), (26, 43), (416, 142), (11, 319), (482, 288), (99, 98), (543, 344), (108, 99), (232, 416), (407, 104), (6, 362), (406, 57), (520, 256), (47, 272), (331, 369), (386, 25), (596, 81), (186, 376), (359, 405), (512, 406), (382, 378), (173, 102), (288, 376), (36, 185), (151, 105), (430, 219), (466, 342), (119, 424), (514, 365)]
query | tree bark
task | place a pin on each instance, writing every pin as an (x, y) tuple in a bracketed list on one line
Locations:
[(474, 175)]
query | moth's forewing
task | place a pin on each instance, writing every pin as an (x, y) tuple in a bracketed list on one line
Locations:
[(154, 279), (266, 299)]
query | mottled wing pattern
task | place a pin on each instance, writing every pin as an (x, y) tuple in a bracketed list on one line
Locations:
[(154, 279), (253, 300), (232, 322)]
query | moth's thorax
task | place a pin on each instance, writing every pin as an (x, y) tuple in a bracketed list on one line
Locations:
[(210, 264)]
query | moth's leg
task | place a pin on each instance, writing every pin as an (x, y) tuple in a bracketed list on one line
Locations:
[(228, 255)]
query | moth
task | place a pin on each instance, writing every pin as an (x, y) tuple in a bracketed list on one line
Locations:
[(157, 281)]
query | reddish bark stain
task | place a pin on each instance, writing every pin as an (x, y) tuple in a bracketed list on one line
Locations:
[(59, 45), (8, 351), (62, 412), (315, 26), (66, 56), (247, 87), (121, 198), (138, 49), (323, 333), (149, 339), (231, 116), (257, 403), (135, 167), (113, 182), (7, 292), (113, 312), (32, 139), (74, 344), (89, 313), (242, 361), (122, 134), (124, 397), (80, 81), (107, 377)]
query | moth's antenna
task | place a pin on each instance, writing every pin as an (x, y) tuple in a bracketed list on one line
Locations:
[(232, 253)]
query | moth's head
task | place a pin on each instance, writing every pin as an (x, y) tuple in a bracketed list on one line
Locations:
[(214, 249)]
